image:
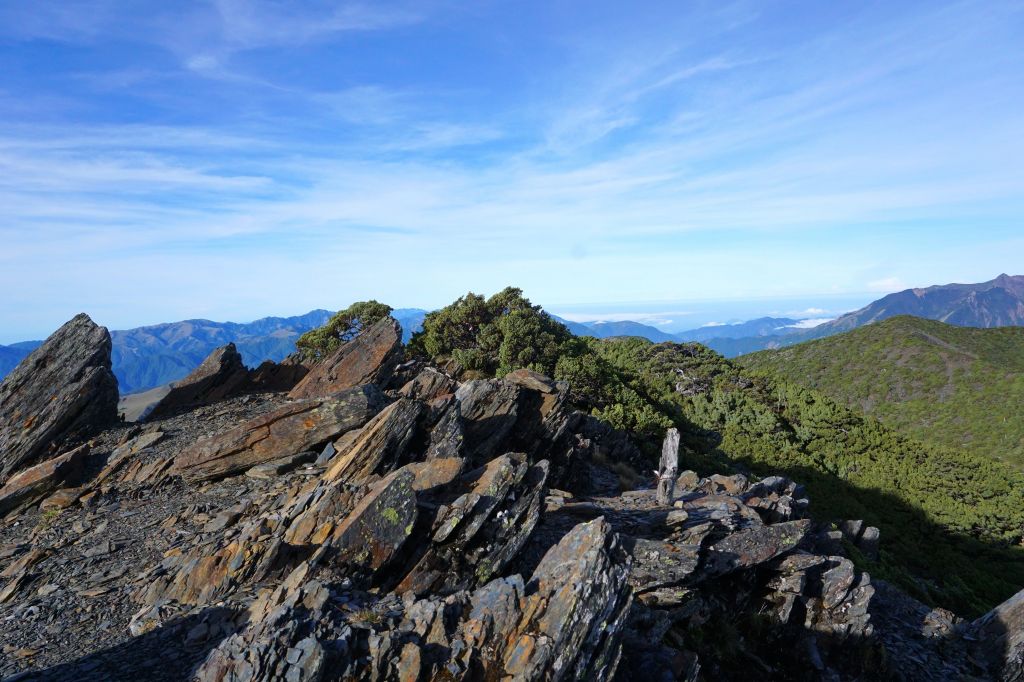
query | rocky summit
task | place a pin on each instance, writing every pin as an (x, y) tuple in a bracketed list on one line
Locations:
[(383, 519)]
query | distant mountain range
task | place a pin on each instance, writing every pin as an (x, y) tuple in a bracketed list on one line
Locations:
[(996, 303), (761, 327), (147, 357), (949, 385), (152, 356)]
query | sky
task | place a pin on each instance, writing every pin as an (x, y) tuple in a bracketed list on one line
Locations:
[(232, 160)]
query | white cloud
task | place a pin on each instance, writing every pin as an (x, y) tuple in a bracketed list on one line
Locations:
[(808, 324)]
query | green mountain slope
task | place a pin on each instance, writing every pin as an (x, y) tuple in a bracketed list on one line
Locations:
[(954, 386)]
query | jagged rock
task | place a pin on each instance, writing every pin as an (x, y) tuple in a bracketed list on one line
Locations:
[(687, 481), (370, 358), (565, 623), (35, 483), (381, 442), (777, 499), (435, 473), (429, 385), (64, 389), (280, 643), (488, 409), (278, 376), (481, 526), (542, 417), (447, 436), (658, 564), (863, 537), (300, 426), (220, 375)]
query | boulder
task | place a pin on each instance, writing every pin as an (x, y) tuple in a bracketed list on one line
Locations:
[(300, 426), (370, 358), (221, 375), (35, 483), (64, 389)]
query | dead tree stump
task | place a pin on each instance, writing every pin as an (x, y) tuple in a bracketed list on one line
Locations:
[(668, 467)]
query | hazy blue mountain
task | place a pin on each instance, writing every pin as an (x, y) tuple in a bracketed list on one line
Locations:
[(762, 326), (10, 356), (151, 356), (411, 320), (604, 330), (576, 328)]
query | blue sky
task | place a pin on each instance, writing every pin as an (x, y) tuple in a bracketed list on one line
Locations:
[(232, 159)]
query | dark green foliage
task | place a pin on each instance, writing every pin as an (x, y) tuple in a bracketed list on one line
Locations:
[(494, 335), (344, 326), (951, 520), (955, 386)]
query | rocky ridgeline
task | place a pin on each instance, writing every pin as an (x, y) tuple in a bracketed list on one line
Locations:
[(377, 519)]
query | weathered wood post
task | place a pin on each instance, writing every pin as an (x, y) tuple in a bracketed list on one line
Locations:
[(668, 468)]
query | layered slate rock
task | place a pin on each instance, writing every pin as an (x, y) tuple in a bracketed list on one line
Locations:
[(481, 522), (379, 444), (370, 358), (488, 409), (64, 389), (35, 483), (564, 623), (221, 375), (303, 425)]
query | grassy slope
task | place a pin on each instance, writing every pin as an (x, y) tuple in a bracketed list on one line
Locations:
[(951, 520), (959, 387)]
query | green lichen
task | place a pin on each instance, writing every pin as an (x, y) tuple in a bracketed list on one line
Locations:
[(391, 514)]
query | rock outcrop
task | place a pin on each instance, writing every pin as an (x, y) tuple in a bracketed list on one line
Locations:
[(221, 375), (370, 358), (63, 390), (297, 427)]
